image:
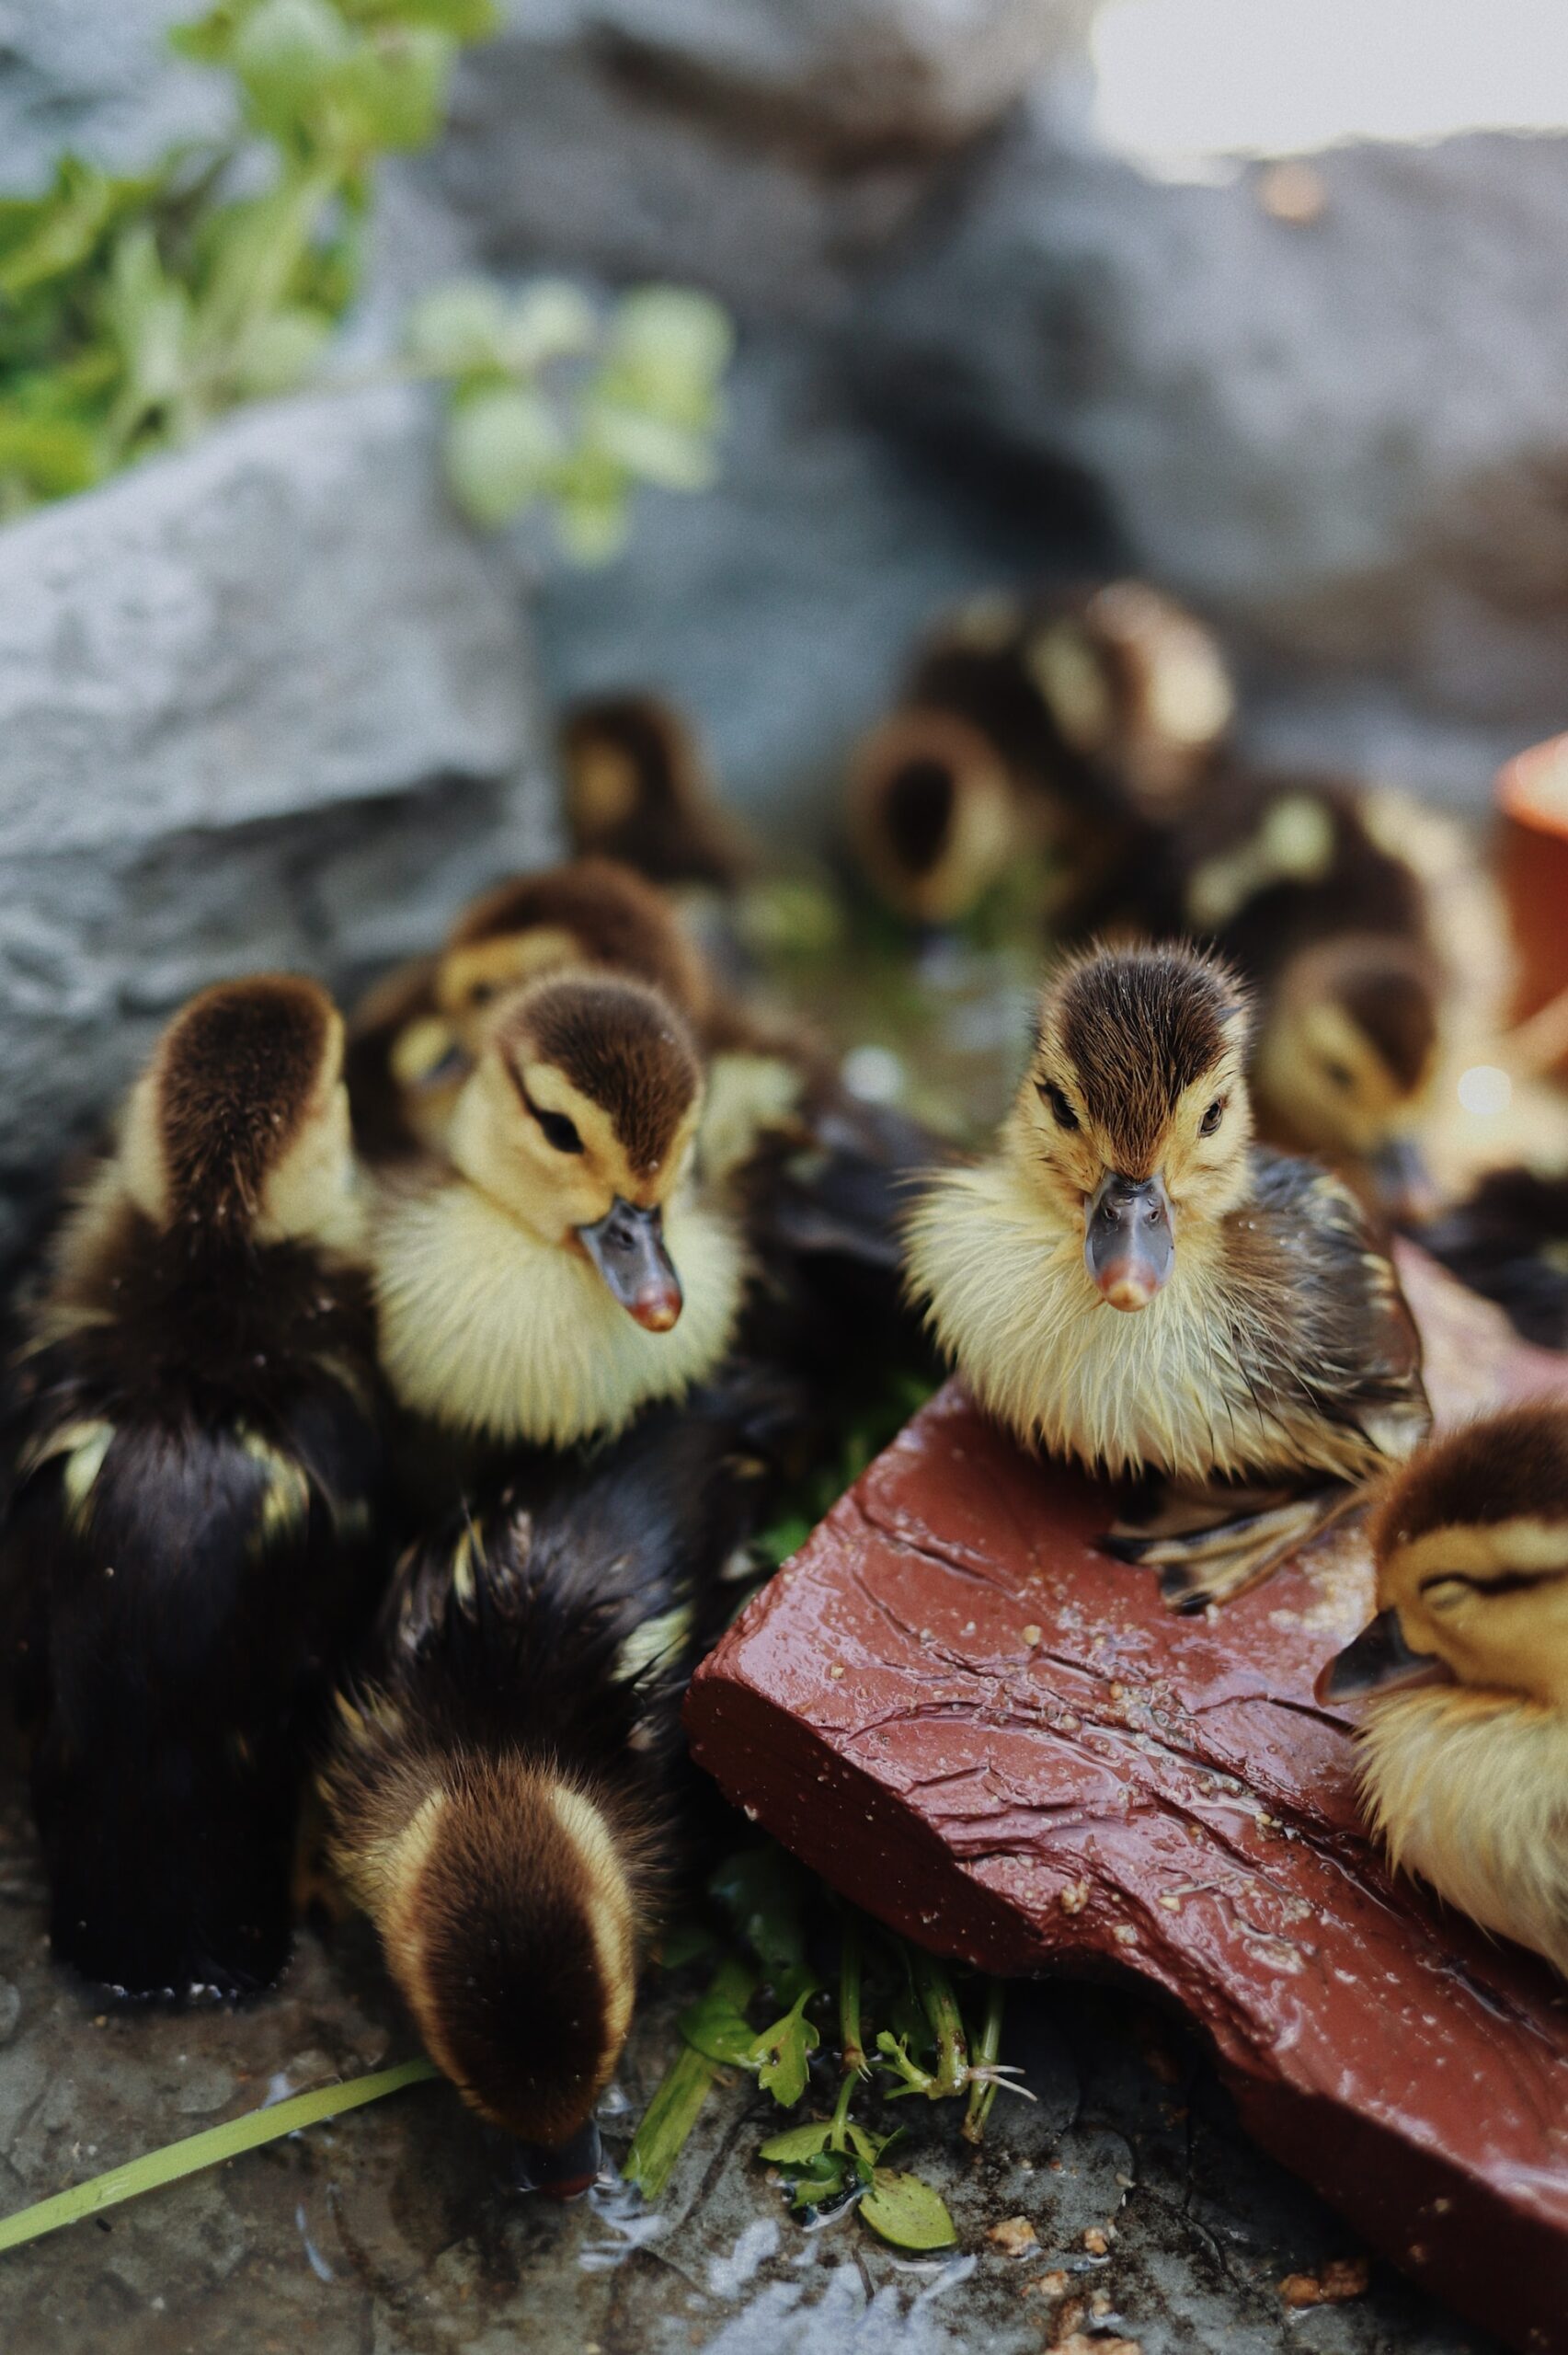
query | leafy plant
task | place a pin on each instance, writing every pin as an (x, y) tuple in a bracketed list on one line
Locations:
[(925, 2049), (133, 309)]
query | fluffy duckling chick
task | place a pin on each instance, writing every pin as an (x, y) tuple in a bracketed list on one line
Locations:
[(554, 1274), (1108, 703), (639, 790), (933, 815), (415, 1037), (1509, 1240), (1291, 880), (1466, 1781), (1130, 1282), (189, 1530), (503, 1796)]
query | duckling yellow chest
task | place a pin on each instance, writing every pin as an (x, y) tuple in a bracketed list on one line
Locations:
[(493, 1333), (1469, 1790), (1013, 1305)]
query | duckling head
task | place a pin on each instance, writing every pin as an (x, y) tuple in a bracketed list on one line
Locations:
[(639, 788), (1131, 679), (579, 1121), (238, 1129), (1350, 1047), (510, 1920), (589, 912), (1133, 1119), (931, 813), (1472, 1548)]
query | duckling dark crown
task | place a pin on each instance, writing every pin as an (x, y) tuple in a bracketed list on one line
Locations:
[(622, 1047), (642, 729), (1391, 994), (1140, 1026), (1512, 1467), (236, 1075)]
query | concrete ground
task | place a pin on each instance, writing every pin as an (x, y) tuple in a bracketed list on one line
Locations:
[(393, 2232)]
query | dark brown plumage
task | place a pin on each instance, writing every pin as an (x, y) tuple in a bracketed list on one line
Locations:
[(622, 1046), (1511, 1466), (1140, 1026), (638, 789), (189, 1532), (1509, 1242), (933, 815), (506, 1792), (613, 920)]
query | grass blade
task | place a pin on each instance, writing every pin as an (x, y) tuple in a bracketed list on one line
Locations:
[(669, 2116), (209, 2149)]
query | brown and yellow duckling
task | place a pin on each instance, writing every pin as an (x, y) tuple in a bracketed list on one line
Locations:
[(415, 1037), (190, 1529), (1101, 708), (554, 1271), (1295, 883), (504, 1796), (639, 790), (1262, 1340), (1465, 1780)]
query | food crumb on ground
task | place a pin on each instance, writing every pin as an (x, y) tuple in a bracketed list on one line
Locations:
[(1014, 2235), (1341, 2279)]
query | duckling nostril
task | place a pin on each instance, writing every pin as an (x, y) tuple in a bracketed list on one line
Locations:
[(1129, 1249)]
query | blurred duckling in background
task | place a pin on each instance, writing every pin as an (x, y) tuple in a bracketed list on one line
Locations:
[(1465, 1780), (1262, 1338), (555, 1273), (639, 790), (1509, 1242), (932, 816), (415, 1037), (1104, 707), (189, 1530), (504, 1793), (1290, 880)]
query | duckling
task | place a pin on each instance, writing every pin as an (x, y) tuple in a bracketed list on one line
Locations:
[(933, 816), (1106, 704), (504, 1794), (1293, 881), (1509, 1242), (414, 1037), (1466, 1781), (639, 790), (190, 1530), (1256, 1333), (554, 1274)]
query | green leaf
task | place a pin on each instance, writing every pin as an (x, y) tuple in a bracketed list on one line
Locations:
[(668, 2118), (208, 2149), (765, 1894), (715, 2027), (591, 521), (674, 458), (51, 236), (907, 2212), (502, 446), (781, 2051), (390, 92), (463, 20), (550, 320), (869, 2146), (52, 456), (683, 1942), (280, 351), (670, 334), (820, 2179), (286, 54), (797, 2143), (458, 329)]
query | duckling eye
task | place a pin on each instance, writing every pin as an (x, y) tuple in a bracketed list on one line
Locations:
[(1062, 1111), (558, 1129), (1442, 1593), (1341, 1075), (1212, 1118), (481, 993)]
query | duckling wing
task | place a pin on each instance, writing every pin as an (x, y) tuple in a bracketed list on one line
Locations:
[(1335, 1344)]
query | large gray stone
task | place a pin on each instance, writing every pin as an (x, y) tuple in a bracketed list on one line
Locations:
[(1343, 434), (97, 77), (768, 150), (264, 703)]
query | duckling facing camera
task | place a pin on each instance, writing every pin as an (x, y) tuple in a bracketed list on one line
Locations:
[(190, 1533), (1130, 1282), (1465, 1777), (505, 1791), (556, 1273)]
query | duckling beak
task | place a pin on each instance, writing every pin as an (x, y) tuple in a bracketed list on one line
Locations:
[(564, 2171), (1378, 1660), (1129, 1247), (626, 1246)]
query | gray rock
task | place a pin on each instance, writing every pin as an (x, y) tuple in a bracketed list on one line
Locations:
[(767, 151), (264, 703), (97, 77), (1343, 434)]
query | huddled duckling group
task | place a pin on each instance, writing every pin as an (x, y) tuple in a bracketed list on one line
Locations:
[(398, 1397)]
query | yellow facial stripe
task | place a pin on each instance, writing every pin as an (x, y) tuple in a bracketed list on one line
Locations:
[(502, 963), (606, 1905), (1482, 1550)]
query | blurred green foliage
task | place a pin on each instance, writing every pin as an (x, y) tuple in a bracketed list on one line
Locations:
[(135, 308)]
